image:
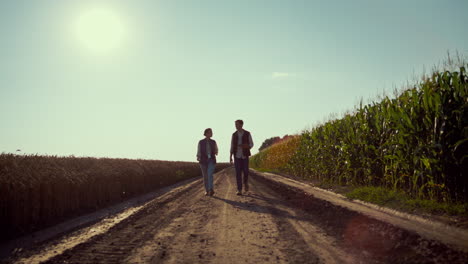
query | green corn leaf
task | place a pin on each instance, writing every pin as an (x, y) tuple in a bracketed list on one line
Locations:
[(459, 143)]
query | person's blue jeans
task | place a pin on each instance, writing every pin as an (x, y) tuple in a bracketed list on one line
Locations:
[(242, 166), (207, 171)]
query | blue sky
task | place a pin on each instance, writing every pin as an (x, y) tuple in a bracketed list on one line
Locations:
[(183, 66)]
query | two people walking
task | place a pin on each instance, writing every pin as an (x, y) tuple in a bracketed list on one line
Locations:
[(241, 143)]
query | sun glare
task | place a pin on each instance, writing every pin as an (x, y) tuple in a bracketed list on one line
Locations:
[(100, 30)]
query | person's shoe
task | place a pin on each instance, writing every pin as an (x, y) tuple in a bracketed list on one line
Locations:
[(206, 193), (239, 192), (211, 193), (246, 187)]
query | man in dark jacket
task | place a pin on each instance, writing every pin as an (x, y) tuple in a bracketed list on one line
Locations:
[(241, 143)]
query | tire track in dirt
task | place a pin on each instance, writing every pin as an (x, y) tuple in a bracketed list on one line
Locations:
[(162, 242), (115, 244), (246, 232), (324, 245), (40, 246)]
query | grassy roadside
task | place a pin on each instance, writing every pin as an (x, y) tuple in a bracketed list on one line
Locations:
[(449, 213), (455, 214), (403, 202)]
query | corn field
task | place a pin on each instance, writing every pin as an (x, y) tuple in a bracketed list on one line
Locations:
[(38, 191), (416, 142), (277, 157)]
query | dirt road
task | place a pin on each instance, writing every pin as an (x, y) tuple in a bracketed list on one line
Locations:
[(268, 224)]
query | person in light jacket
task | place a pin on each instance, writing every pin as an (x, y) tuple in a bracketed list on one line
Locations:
[(206, 156)]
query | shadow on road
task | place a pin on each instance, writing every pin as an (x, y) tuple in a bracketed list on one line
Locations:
[(254, 207)]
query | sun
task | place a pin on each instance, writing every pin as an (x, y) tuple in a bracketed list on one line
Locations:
[(100, 30)]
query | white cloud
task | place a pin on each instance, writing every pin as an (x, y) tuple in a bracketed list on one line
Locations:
[(282, 75)]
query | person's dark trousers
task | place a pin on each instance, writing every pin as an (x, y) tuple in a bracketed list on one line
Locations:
[(242, 166)]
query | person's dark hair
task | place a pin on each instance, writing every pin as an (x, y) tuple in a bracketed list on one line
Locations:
[(206, 131), (240, 122)]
